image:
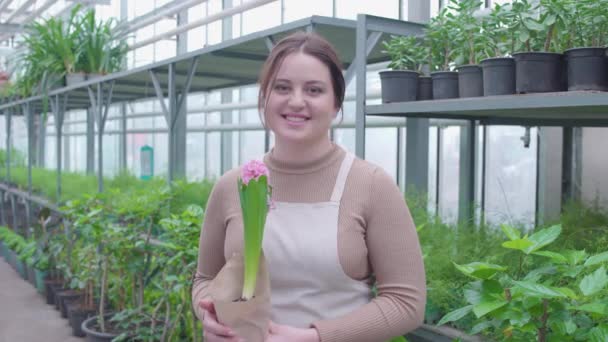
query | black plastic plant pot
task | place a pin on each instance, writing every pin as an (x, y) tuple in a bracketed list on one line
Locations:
[(50, 286), (76, 316), (399, 85), (587, 69), (66, 299), (445, 85), (425, 88), (470, 81), (89, 328), (498, 76), (538, 72)]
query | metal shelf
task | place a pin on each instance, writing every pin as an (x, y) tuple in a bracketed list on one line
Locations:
[(576, 108)]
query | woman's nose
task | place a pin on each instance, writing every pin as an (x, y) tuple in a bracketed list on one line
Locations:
[(296, 99)]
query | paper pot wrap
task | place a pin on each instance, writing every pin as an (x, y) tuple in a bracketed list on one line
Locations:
[(249, 319)]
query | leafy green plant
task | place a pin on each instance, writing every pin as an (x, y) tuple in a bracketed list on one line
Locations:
[(471, 42), (442, 32), (588, 26), (406, 53), (562, 300), (495, 27), (536, 27), (103, 50)]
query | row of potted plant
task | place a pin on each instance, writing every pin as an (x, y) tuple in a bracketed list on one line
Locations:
[(548, 46), (59, 53), (109, 278)]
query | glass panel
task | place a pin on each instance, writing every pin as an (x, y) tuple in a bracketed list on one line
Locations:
[(381, 148), (350, 8)]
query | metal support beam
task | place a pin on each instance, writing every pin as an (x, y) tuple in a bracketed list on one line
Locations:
[(122, 138), (466, 190), (41, 138), (90, 141), (417, 156), (360, 71), (8, 115), (372, 40), (58, 106), (2, 218), (226, 97), (29, 118), (548, 176), (100, 103)]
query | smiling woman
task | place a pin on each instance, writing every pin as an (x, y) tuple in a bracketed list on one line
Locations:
[(339, 224)]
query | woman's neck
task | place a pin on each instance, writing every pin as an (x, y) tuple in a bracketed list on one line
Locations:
[(301, 154)]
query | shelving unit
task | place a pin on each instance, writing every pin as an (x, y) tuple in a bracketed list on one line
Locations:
[(562, 109)]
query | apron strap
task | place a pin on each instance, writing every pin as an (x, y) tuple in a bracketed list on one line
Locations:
[(336, 195)]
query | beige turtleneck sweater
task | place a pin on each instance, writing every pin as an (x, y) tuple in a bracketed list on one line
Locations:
[(376, 236)]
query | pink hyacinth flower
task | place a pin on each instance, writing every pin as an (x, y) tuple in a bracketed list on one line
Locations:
[(253, 170)]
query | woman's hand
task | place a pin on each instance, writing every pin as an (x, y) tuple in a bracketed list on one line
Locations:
[(214, 331), (285, 333)]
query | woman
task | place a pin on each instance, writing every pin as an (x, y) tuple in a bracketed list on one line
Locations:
[(339, 223)]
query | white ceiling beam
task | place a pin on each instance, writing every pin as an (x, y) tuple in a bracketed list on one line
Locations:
[(20, 10), (4, 5)]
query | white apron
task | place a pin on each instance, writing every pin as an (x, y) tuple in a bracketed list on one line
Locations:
[(301, 247)]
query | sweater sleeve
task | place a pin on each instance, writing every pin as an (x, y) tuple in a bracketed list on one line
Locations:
[(396, 260), (211, 244)]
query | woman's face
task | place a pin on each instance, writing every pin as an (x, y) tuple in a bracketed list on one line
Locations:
[(300, 106)]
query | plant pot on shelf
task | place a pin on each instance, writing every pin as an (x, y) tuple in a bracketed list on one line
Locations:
[(67, 297), (445, 85), (399, 85), (587, 69), (94, 76), (538, 72), (76, 315), (72, 79), (31, 276), (498, 76), (39, 277), (425, 88), (92, 331), (470, 81)]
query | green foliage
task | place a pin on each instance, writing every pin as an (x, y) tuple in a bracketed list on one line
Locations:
[(442, 33), (406, 53), (471, 42), (560, 297), (17, 159), (495, 27), (55, 48)]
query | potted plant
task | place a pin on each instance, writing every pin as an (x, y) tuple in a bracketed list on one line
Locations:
[(539, 68), (469, 46), (587, 62), (103, 50), (401, 83), (498, 69), (441, 33)]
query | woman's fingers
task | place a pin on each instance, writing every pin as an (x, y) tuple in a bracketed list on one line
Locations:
[(207, 305)]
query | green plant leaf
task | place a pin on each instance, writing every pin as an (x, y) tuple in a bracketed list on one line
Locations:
[(597, 259), (567, 292), (519, 244), (538, 290), (480, 270), (599, 333), (598, 308), (575, 257), (594, 282), (486, 307), (556, 257), (511, 232), (456, 315), (524, 36), (479, 327), (543, 238)]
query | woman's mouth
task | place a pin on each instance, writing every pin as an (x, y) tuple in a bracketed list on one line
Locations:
[(295, 118)]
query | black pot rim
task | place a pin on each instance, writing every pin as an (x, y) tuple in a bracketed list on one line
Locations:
[(469, 68), (390, 73), (544, 53), (439, 73), (585, 48), (497, 61), (86, 330)]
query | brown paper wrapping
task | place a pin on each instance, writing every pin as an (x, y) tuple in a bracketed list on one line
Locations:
[(249, 319)]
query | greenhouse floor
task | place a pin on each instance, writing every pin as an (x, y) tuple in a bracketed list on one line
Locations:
[(24, 314)]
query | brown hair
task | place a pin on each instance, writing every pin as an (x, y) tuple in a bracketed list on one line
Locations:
[(311, 44)]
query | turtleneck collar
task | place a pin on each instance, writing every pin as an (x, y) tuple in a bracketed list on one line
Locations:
[(332, 155)]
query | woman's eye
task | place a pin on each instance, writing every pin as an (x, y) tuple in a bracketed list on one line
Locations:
[(315, 90), (281, 88)]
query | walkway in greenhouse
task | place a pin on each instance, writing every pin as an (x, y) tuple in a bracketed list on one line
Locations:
[(24, 314)]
